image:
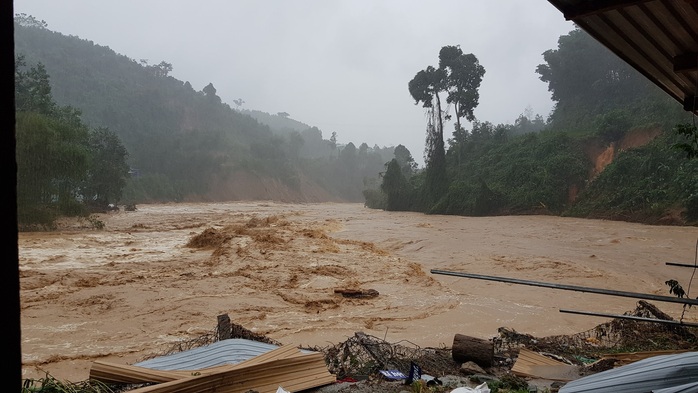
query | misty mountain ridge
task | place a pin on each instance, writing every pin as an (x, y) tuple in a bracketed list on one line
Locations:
[(191, 140)]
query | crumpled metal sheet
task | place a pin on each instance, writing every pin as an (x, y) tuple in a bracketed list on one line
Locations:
[(231, 351), (644, 376)]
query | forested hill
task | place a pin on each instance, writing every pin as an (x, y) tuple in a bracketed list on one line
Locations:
[(183, 142), (615, 146)]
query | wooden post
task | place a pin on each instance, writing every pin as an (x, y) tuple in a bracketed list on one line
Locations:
[(224, 328), (472, 349)]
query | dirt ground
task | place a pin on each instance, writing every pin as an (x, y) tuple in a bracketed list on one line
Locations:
[(163, 273)]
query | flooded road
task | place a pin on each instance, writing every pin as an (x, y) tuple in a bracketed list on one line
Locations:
[(164, 273)]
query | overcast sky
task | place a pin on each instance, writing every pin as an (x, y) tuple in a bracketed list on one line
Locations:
[(340, 65)]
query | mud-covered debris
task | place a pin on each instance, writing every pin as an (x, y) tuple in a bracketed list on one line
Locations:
[(209, 238)]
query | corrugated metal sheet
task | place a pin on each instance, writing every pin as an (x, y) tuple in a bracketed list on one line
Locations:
[(643, 376), (687, 388), (659, 38), (230, 351)]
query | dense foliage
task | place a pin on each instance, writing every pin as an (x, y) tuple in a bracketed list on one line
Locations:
[(63, 167), (530, 173), (550, 166), (651, 184)]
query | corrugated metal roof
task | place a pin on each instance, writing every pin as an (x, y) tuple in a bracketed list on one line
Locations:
[(659, 38), (643, 376), (230, 351)]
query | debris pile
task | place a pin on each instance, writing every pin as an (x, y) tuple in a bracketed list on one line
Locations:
[(617, 335), (561, 358), (363, 355)]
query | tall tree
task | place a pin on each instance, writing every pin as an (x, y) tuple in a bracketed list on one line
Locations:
[(163, 69), (425, 88), (459, 76), (405, 160), (464, 75), (210, 93), (587, 80), (33, 89), (52, 159), (108, 169), (333, 142), (394, 186)]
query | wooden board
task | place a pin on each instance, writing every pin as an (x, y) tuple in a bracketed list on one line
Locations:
[(623, 358), (534, 365)]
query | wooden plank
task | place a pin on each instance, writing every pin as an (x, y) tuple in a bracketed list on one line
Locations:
[(122, 373), (534, 365), (534, 358), (623, 358), (298, 383)]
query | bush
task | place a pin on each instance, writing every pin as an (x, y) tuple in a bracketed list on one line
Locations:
[(612, 125), (151, 188), (691, 205), (36, 217), (375, 199)]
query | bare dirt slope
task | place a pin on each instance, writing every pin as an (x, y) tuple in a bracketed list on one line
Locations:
[(164, 273)]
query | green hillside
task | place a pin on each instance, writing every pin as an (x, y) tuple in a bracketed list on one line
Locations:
[(608, 149), (185, 144)]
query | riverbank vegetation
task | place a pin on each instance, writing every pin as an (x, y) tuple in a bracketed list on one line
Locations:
[(615, 147)]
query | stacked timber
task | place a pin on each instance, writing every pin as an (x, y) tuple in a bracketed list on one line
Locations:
[(285, 367)]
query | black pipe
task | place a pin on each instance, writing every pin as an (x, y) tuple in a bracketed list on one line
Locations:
[(681, 264), (643, 319), (645, 296)]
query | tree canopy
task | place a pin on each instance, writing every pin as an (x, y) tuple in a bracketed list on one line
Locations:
[(63, 167), (587, 81)]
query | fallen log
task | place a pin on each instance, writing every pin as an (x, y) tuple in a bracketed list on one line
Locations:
[(360, 293), (472, 349)]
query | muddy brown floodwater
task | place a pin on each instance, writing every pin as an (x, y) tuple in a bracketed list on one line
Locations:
[(137, 286)]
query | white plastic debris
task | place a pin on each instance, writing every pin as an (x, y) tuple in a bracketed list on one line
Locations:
[(482, 388), (282, 390)]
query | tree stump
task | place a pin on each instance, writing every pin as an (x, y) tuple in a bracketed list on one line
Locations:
[(472, 349)]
